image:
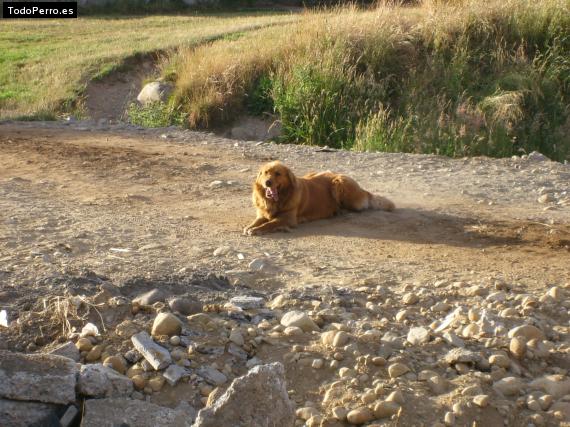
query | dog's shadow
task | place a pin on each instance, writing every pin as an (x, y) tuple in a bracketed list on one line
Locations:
[(412, 225)]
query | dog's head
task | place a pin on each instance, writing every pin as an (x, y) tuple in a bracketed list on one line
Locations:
[(275, 181)]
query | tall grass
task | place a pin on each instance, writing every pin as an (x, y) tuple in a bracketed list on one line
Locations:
[(456, 78)]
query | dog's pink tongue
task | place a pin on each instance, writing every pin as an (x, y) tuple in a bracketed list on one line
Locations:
[(270, 194)]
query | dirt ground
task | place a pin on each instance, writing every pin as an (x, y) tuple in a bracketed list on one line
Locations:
[(132, 204)]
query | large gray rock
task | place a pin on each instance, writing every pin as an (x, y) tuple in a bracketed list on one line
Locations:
[(258, 399), (98, 380), (15, 413), (154, 92), (117, 412), (39, 377)]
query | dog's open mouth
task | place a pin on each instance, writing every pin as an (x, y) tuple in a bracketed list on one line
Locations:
[(271, 194)]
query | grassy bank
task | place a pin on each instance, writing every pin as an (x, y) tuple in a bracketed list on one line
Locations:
[(468, 78), (44, 64)]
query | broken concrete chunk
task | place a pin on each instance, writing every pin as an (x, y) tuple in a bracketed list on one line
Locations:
[(174, 373), (247, 303), (212, 376), (117, 412), (156, 355), (258, 398), (39, 377), (98, 380)]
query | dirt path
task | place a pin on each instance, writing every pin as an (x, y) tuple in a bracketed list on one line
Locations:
[(93, 191), (140, 207)]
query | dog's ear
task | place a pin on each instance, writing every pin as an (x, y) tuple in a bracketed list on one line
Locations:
[(292, 178)]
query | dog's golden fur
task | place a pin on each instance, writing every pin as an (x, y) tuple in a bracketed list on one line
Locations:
[(283, 200)]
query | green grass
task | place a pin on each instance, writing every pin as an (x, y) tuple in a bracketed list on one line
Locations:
[(459, 78), (45, 64)]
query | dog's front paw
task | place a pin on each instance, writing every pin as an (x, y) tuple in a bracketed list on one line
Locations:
[(246, 231), (254, 232)]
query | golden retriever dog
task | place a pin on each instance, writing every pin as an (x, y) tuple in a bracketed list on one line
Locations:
[(283, 200)]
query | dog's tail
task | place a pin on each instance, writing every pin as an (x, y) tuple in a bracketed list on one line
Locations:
[(380, 203)]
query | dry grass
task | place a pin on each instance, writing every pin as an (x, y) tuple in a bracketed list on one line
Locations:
[(455, 77), (44, 64)]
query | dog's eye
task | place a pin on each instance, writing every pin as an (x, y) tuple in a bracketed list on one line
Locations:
[(277, 173)]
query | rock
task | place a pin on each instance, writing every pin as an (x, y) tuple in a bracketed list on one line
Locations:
[(95, 353), (15, 413), (317, 363), (545, 198), (175, 340), (258, 398), (386, 409), (97, 380), (509, 386), (156, 355), (449, 418), (327, 337), (535, 156), (123, 412), (212, 376), (306, 412), (410, 298), (340, 339), (397, 369), (461, 355), (237, 351), (481, 400), (150, 297), (68, 350), (185, 306), (359, 416), (157, 91), (528, 332), (247, 302), (299, 319), (555, 385), (132, 356), (156, 383), (39, 377), (236, 337), (84, 344), (139, 382), (127, 329), (174, 373), (561, 410), (166, 324), (453, 339), (437, 384), (418, 335), (517, 347), (258, 264), (500, 360), (222, 250), (117, 363), (292, 331), (339, 413)]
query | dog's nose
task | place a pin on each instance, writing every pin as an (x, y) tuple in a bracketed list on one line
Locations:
[(268, 183)]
